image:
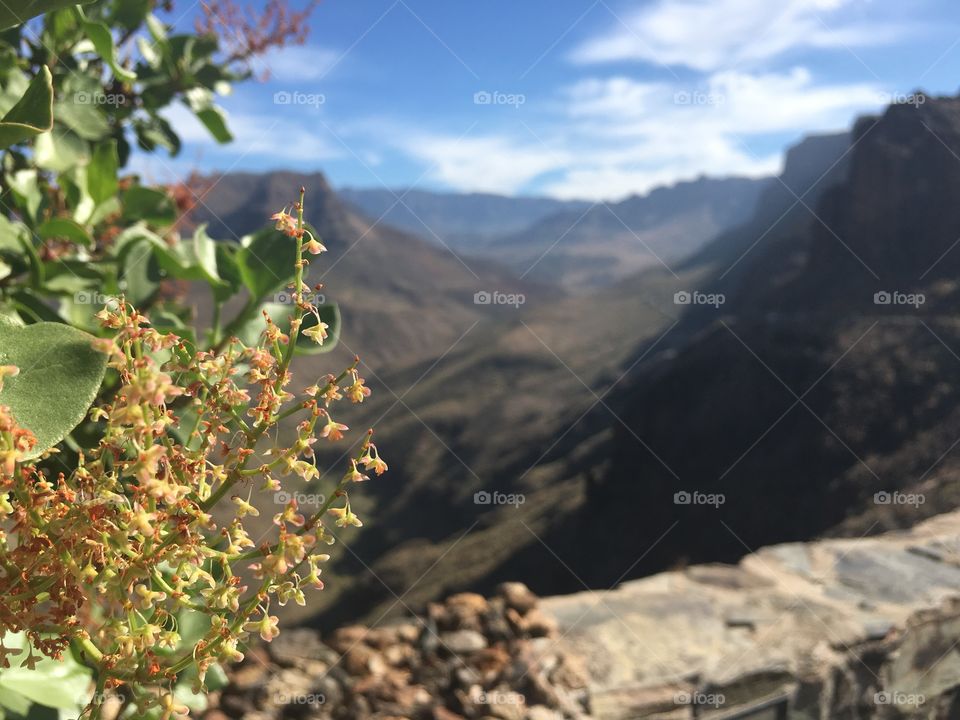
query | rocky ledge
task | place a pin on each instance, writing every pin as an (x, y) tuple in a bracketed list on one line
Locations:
[(845, 629), (469, 657)]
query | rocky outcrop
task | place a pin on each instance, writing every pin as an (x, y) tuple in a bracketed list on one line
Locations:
[(865, 629), (469, 657)]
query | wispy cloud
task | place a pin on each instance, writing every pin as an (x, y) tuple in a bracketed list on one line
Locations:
[(611, 137), (485, 164), (707, 35), (270, 135), (297, 63)]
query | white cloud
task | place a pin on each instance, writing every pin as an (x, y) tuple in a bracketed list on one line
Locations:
[(485, 164), (645, 134), (277, 136), (297, 63), (711, 34), (616, 136)]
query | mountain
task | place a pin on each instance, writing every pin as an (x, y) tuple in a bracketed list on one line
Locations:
[(403, 299), (822, 397), (582, 249), (464, 221), (789, 404)]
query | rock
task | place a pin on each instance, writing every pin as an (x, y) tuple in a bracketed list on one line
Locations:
[(536, 624), (408, 632), (362, 660), (297, 644), (463, 642), (400, 655), (541, 712), (440, 713), (517, 596), (345, 638)]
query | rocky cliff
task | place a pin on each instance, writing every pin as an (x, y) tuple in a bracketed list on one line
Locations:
[(842, 629)]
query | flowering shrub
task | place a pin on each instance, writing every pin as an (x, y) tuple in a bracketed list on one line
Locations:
[(109, 559)]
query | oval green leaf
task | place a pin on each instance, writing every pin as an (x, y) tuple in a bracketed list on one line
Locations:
[(60, 373)]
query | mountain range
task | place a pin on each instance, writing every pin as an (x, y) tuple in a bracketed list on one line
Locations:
[(576, 245), (777, 377)]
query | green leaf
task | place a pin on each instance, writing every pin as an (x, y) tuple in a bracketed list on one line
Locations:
[(266, 261), (60, 150), (150, 205), (79, 107), (65, 229), (204, 250), (60, 373), (14, 701), (102, 173), (62, 684), (99, 34), (200, 100), (32, 309), (214, 119), (280, 313), (17, 12), (33, 114)]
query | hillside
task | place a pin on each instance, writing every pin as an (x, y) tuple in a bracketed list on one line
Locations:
[(599, 408), (805, 396), (607, 242), (713, 406), (465, 222), (403, 299)]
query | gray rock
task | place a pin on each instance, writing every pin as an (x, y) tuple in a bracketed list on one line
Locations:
[(462, 642)]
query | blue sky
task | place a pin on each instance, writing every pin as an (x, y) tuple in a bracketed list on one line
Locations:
[(571, 98)]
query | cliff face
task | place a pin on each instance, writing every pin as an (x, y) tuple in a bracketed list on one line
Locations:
[(806, 393)]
